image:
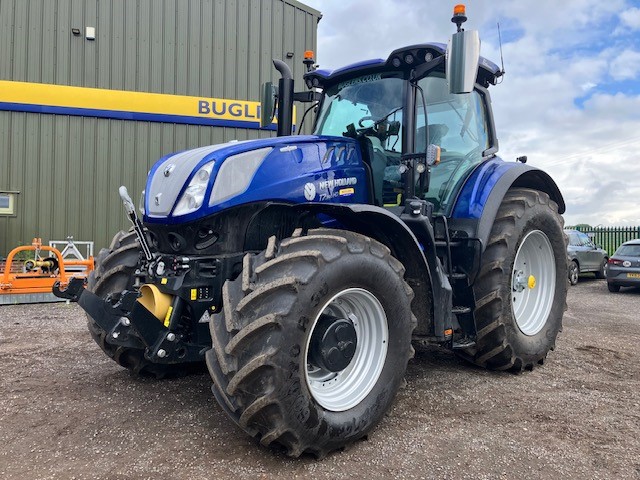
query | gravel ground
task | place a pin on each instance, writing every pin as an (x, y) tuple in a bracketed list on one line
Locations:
[(67, 411)]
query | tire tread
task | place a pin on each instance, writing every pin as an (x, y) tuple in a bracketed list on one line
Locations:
[(492, 348), (241, 334)]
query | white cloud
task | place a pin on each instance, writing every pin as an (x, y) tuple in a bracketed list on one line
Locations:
[(625, 66), (631, 18), (619, 108), (558, 53)]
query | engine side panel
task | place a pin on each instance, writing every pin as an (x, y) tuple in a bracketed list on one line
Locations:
[(298, 169)]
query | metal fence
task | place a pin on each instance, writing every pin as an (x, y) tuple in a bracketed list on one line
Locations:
[(609, 238)]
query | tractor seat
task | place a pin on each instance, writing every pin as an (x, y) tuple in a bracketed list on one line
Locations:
[(436, 132)]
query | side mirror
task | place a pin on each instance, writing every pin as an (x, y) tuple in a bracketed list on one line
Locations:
[(267, 104), (463, 57)]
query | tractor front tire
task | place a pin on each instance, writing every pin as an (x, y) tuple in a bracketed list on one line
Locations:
[(115, 268), (313, 341), (520, 292)]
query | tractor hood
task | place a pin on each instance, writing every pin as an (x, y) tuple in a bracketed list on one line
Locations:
[(196, 183)]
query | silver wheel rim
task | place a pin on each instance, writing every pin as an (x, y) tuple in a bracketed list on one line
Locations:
[(573, 273), (340, 391), (533, 282)]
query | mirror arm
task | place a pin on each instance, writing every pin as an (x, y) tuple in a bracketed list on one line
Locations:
[(307, 97), (420, 71)]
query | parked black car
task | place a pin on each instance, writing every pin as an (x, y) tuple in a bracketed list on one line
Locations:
[(623, 268), (585, 256)]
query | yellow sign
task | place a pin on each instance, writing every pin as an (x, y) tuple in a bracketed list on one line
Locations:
[(167, 317), (127, 105)]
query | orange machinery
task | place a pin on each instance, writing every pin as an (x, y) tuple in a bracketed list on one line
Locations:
[(31, 280)]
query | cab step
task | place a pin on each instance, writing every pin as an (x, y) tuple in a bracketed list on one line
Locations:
[(457, 276), (462, 343), (459, 310)]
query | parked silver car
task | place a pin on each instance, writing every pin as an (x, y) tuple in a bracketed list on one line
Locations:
[(623, 269), (584, 256)]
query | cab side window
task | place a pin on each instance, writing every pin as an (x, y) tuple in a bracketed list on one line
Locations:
[(458, 125), (455, 122)]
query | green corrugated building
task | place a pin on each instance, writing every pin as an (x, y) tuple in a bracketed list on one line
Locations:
[(93, 92)]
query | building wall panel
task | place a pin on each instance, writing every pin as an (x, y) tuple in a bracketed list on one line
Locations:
[(68, 168)]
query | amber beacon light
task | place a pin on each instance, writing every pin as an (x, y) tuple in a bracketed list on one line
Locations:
[(459, 15), (308, 60)]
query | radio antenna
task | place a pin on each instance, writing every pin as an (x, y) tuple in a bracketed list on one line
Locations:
[(502, 72)]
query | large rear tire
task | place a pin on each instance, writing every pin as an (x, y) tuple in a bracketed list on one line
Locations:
[(115, 268), (313, 341), (521, 290)]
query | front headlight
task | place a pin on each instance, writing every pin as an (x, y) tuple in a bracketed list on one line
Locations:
[(236, 174), (193, 197)]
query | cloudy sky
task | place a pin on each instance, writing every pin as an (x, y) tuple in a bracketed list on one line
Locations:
[(570, 99)]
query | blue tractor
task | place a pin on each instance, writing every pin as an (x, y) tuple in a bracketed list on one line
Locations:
[(303, 269)]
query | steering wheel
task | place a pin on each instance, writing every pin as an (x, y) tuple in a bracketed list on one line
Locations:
[(364, 119), (374, 129)]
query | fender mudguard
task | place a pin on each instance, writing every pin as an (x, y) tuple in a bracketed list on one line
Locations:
[(479, 199), (424, 273)]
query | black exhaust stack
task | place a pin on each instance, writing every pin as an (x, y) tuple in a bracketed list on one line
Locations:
[(285, 98)]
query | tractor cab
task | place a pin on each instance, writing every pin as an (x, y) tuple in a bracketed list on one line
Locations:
[(400, 110)]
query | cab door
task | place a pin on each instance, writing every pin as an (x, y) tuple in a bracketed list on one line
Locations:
[(460, 125)]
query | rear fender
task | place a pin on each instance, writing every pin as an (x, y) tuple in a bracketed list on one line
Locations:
[(480, 198)]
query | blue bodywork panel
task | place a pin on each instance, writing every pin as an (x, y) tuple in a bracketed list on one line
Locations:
[(475, 192), (298, 169), (473, 197)]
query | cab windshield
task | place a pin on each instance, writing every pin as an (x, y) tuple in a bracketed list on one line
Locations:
[(369, 105), (370, 109)]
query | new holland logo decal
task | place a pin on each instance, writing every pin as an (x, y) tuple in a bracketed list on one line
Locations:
[(336, 187)]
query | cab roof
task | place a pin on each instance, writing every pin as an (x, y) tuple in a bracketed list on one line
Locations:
[(405, 58)]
